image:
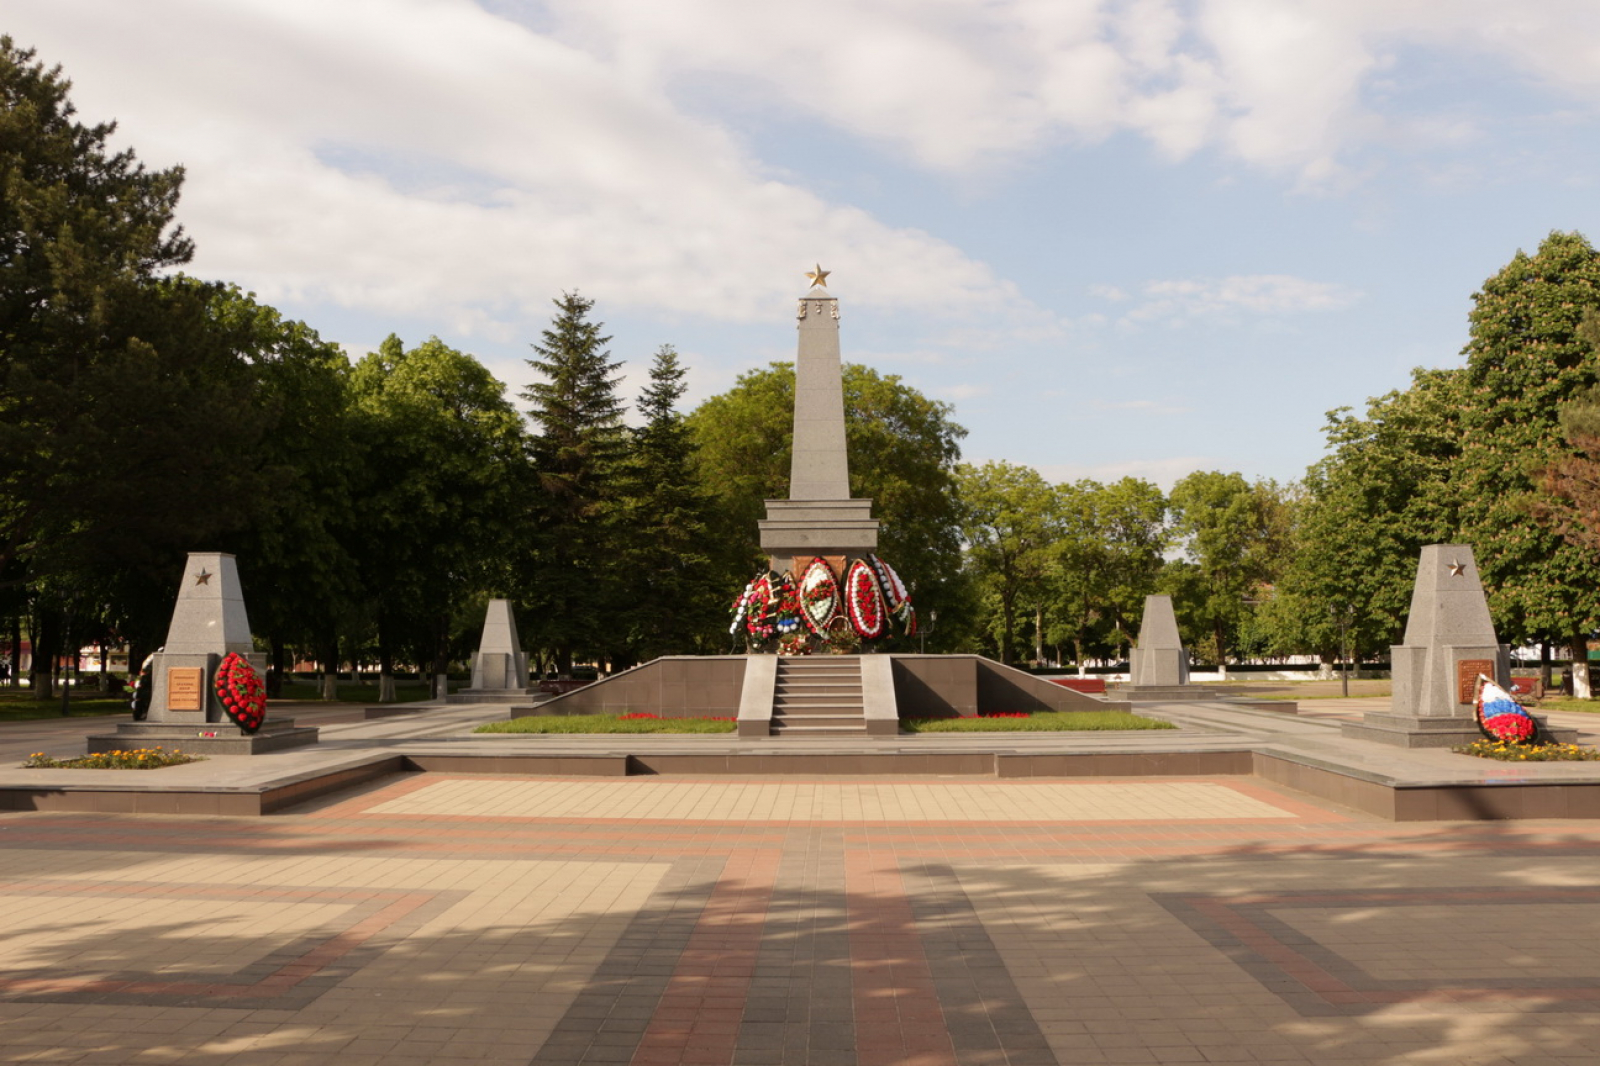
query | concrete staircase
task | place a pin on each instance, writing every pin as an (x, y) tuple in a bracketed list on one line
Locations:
[(819, 696)]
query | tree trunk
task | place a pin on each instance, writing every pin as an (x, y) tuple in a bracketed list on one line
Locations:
[(328, 657), (16, 651), (1580, 666), (1008, 619), (1544, 664), (46, 644), (1077, 654), (275, 674)]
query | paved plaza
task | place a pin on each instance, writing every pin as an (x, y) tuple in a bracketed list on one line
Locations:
[(437, 918)]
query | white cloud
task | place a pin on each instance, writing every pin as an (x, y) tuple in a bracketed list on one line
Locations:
[(959, 86), (1256, 294), (386, 155), (393, 154)]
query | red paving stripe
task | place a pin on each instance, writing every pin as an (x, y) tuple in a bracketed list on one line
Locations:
[(697, 1020), (898, 1019)]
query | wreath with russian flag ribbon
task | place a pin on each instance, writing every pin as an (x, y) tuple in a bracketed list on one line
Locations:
[(243, 696), (1501, 717)]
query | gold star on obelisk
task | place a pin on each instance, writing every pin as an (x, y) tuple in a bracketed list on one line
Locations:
[(202, 578), (819, 276), (1457, 568)]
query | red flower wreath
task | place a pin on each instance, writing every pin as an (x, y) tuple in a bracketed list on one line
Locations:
[(864, 601), (243, 696)]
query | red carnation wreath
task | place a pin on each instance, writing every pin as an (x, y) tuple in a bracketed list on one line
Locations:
[(864, 601), (243, 696)]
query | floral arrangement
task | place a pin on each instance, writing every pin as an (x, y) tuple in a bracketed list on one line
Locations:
[(1501, 717), (1510, 751), (243, 696), (741, 607), (863, 601), (789, 613), (143, 689), (819, 596), (818, 610), (137, 759)]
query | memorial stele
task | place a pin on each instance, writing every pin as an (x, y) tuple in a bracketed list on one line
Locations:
[(1449, 642), (500, 666), (208, 622), (1159, 660), (819, 518)]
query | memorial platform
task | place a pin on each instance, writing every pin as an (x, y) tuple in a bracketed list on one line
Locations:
[(1303, 751)]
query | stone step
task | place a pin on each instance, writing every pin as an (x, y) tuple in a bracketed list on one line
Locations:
[(820, 708), (843, 714)]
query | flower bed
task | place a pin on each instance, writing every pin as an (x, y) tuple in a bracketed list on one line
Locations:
[(137, 759), (1510, 751)]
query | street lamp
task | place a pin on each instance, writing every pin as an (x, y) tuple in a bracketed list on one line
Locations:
[(922, 634)]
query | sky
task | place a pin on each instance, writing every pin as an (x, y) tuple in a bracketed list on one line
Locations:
[(1131, 237)]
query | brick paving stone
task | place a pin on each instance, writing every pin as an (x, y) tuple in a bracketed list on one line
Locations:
[(453, 919)]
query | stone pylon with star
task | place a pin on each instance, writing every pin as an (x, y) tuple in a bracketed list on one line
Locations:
[(1449, 643), (208, 622), (819, 518)]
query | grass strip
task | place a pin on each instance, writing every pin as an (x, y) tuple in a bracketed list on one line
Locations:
[(608, 723), (1043, 722)]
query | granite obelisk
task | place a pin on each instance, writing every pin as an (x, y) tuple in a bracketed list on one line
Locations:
[(500, 665), (1160, 659), (819, 517), (1449, 642), (209, 621)]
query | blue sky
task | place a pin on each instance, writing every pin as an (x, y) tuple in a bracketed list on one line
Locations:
[(1139, 237)]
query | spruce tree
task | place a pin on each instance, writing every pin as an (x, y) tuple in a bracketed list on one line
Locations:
[(573, 586), (674, 592)]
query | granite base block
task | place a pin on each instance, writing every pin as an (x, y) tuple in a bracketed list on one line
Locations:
[(1410, 731), (276, 734)]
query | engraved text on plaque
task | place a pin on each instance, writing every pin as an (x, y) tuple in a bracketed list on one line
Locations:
[(1467, 671), (186, 688)]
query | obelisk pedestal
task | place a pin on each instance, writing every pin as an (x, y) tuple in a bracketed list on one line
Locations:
[(819, 518), (208, 622), (1449, 641), (500, 667)]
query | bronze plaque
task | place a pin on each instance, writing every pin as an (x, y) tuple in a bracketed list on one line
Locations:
[(186, 688), (1467, 671)]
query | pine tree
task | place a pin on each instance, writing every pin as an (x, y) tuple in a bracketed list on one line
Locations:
[(674, 594), (573, 582)]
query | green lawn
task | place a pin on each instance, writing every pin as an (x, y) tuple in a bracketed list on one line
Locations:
[(18, 705), (1043, 722), (607, 723), (1568, 703)]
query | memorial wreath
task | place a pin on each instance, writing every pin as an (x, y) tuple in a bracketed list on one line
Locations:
[(243, 696)]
